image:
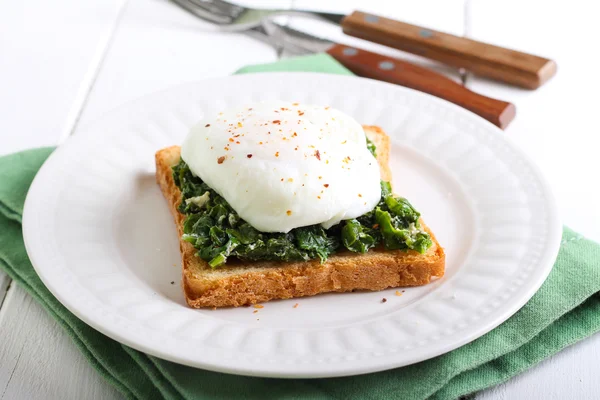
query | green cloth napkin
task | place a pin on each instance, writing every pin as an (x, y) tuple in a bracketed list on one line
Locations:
[(565, 310)]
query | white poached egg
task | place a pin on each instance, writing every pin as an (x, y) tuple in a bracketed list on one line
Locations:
[(286, 165)]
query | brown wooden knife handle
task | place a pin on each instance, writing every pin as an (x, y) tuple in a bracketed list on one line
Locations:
[(376, 66), (510, 66)]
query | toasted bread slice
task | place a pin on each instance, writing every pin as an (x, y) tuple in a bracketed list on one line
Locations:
[(244, 282)]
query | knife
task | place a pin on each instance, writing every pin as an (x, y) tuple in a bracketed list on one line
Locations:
[(502, 64), (375, 66)]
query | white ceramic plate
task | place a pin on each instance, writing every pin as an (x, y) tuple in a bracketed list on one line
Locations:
[(100, 236)]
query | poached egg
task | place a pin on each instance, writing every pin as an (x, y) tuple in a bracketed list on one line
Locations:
[(286, 165)]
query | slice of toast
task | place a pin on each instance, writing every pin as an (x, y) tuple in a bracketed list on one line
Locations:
[(248, 282)]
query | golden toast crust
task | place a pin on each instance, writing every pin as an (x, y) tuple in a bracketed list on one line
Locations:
[(238, 283)]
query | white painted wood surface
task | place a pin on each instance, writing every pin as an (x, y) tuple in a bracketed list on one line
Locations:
[(4, 284), (65, 63), (31, 367), (50, 54)]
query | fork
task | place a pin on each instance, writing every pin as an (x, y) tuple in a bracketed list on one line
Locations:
[(234, 18)]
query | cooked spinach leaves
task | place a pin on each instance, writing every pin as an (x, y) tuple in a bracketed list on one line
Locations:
[(217, 231)]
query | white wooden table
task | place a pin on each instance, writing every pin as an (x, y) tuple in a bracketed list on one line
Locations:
[(66, 62)]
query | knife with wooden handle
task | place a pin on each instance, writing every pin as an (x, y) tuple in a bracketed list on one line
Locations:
[(376, 66), (510, 66)]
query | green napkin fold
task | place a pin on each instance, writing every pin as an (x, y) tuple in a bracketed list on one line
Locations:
[(565, 310)]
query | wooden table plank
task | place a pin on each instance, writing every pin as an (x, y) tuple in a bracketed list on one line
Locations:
[(4, 283), (50, 55), (51, 52), (556, 124), (159, 45), (39, 361)]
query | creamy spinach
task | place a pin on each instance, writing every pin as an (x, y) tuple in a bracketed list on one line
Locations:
[(217, 231)]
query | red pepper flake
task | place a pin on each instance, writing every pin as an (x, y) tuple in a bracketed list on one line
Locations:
[(226, 148), (220, 160), (296, 305), (277, 154), (300, 112), (231, 140), (281, 179), (295, 134), (250, 109), (207, 125), (283, 109), (237, 142), (375, 226), (249, 155), (289, 212), (318, 155), (383, 300), (326, 185), (277, 121)]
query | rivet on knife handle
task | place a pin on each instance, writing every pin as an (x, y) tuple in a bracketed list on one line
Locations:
[(376, 66), (510, 66)]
